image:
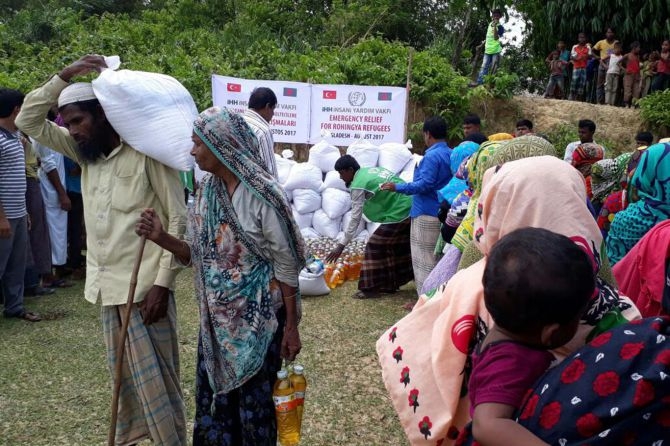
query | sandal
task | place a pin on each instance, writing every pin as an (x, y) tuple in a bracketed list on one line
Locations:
[(365, 294), (28, 316), (58, 283)]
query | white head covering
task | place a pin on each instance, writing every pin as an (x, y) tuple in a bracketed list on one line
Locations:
[(77, 92)]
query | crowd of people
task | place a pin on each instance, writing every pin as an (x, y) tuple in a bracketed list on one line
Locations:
[(523, 255), (524, 275), (609, 72)]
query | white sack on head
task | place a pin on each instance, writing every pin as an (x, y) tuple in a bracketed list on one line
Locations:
[(366, 153), (311, 284), (306, 200), (152, 112), (302, 220), (394, 156), (284, 167), (326, 226), (333, 180), (324, 156), (309, 233), (346, 219), (304, 176), (335, 203)]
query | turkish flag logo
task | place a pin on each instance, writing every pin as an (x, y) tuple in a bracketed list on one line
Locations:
[(329, 94), (235, 88)]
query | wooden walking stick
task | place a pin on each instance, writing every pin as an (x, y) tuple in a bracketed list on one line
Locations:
[(120, 350)]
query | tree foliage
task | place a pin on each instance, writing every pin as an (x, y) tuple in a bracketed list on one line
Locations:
[(633, 20), (37, 43)]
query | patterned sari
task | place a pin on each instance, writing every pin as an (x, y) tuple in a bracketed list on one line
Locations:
[(652, 183), (232, 275)]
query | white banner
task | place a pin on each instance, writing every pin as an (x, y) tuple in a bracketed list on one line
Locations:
[(291, 120), (351, 112)]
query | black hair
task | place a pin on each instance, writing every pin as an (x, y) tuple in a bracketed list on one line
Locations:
[(497, 11), (476, 137), (587, 124), (534, 278), (634, 45), (262, 97), (436, 126), (347, 162), (645, 137), (472, 118), (525, 123), (9, 100)]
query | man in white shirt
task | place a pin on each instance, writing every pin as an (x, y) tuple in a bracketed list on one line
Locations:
[(262, 103), (586, 129)]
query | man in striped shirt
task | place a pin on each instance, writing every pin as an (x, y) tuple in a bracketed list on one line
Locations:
[(262, 103), (13, 212)]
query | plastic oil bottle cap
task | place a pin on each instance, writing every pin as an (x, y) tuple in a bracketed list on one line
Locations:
[(298, 369), (282, 374)]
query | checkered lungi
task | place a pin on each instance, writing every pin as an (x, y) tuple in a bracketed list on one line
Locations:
[(423, 236), (387, 264), (578, 85), (150, 401)]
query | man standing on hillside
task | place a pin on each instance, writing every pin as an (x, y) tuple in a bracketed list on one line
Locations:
[(580, 54), (117, 182), (262, 103), (430, 175), (492, 47), (601, 51)]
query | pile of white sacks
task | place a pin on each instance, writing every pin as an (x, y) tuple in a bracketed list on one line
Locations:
[(320, 201)]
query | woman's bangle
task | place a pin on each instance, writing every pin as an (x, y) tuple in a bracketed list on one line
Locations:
[(291, 296)]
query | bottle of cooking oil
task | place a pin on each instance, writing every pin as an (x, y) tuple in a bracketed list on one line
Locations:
[(299, 383), (288, 427)]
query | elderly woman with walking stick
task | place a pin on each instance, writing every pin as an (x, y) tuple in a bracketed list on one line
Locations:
[(246, 252)]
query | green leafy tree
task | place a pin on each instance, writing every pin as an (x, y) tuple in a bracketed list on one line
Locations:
[(552, 20)]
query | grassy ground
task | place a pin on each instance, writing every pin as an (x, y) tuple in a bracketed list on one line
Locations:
[(55, 387)]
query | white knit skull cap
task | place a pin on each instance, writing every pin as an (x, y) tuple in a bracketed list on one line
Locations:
[(77, 92)]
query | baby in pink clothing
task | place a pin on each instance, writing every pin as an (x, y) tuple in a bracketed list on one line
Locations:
[(536, 286)]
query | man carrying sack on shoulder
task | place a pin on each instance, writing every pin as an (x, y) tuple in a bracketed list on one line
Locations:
[(117, 183)]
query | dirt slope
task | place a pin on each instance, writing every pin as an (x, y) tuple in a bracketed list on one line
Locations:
[(614, 124)]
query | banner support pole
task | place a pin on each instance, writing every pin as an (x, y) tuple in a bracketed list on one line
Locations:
[(408, 88)]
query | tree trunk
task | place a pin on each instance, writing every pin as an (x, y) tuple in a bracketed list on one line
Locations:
[(458, 46)]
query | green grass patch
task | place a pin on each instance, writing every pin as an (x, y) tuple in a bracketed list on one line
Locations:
[(55, 388)]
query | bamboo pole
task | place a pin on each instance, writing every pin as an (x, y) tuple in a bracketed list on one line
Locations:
[(111, 436), (408, 88)]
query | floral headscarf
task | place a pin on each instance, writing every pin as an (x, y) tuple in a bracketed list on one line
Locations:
[(233, 277), (231, 140), (609, 176)]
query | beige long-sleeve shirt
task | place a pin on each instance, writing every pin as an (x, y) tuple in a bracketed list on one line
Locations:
[(115, 190)]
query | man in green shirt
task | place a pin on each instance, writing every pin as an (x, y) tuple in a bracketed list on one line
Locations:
[(492, 47), (387, 264)]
